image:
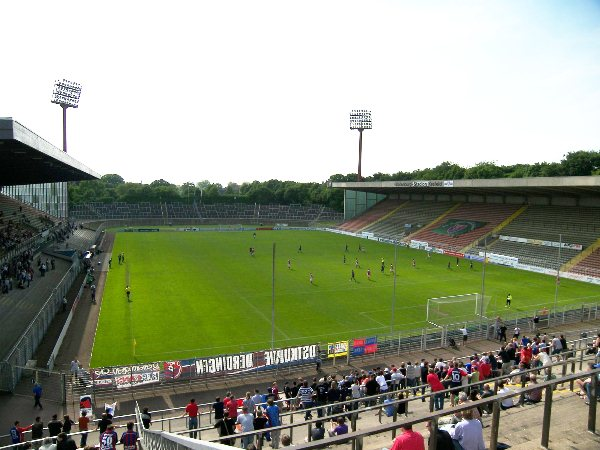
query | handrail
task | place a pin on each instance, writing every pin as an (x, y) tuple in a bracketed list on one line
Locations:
[(357, 436)]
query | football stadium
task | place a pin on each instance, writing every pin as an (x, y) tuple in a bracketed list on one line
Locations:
[(154, 296)]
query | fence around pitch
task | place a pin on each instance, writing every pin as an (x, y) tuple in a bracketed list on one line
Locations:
[(392, 344), (11, 367)]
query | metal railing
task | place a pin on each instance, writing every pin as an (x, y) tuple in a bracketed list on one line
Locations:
[(11, 367), (160, 440)]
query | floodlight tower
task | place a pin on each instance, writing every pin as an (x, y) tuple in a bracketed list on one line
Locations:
[(66, 94), (360, 119)]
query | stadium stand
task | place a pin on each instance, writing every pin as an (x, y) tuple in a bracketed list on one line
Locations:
[(552, 224), (491, 214), (217, 211), (372, 215), (409, 218), (589, 266)]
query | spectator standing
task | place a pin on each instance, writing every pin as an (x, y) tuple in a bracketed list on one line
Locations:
[(408, 440), (37, 429), (246, 420), (249, 403), (83, 425), (275, 421), (306, 399), (225, 427), (129, 438), (465, 335), (67, 424), (17, 432), (54, 426), (411, 376), (436, 386), (74, 368), (146, 418), (232, 407), (191, 410), (37, 395), (102, 424), (109, 439), (260, 423), (219, 408)]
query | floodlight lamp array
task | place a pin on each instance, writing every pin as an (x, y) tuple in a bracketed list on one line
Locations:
[(66, 93), (360, 119)]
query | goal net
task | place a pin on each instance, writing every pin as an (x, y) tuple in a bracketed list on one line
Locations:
[(456, 308)]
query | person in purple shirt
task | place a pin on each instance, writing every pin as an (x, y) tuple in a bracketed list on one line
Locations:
[(341, 427)]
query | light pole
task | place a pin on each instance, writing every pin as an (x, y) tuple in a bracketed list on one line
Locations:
[(360, 119), (66, 94), (394, 291), (557, 283)]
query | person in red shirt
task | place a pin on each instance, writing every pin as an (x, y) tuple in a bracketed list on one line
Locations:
[(17, 433), (232, 407), (409, 440), (526, 355), (275, 391), (485, 369), (191, 410), (436, 385)]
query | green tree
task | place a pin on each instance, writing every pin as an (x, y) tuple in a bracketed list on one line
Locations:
[(581, 163)]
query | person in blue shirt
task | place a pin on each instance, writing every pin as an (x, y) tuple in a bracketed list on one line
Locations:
[(37, 395), (274, 421)]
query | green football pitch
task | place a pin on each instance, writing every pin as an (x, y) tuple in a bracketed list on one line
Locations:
[(199, 294)]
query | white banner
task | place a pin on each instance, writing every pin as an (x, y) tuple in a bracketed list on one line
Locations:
[(541, 242)]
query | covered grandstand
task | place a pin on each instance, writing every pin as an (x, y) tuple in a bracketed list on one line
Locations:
[(33, 221), (549, 223)]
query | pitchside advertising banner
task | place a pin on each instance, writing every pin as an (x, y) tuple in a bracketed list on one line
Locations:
[(337, 349), (187, 369), (364, 346)]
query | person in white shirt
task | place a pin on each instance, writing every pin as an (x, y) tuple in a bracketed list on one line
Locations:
[(468, 432), (381, 381), (397, 378), (47, 444), (507, 402)]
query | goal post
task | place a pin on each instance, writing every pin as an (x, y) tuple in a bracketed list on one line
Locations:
[(456, 308)]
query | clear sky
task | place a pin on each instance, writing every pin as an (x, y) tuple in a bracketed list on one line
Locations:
[(235, 91)]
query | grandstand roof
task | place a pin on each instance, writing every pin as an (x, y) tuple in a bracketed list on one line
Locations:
[(29, 159), (577, 187)]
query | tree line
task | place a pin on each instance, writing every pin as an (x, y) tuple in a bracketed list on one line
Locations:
[(113, 188)]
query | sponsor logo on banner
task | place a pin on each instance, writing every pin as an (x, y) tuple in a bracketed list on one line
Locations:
[(336, 349), (172, 370), (292, 354), (364, 346), (424, 183), (225, 364), (127, 376), (131, 376), (540, 242), (452, 253), (256, 361), (418, 244)]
